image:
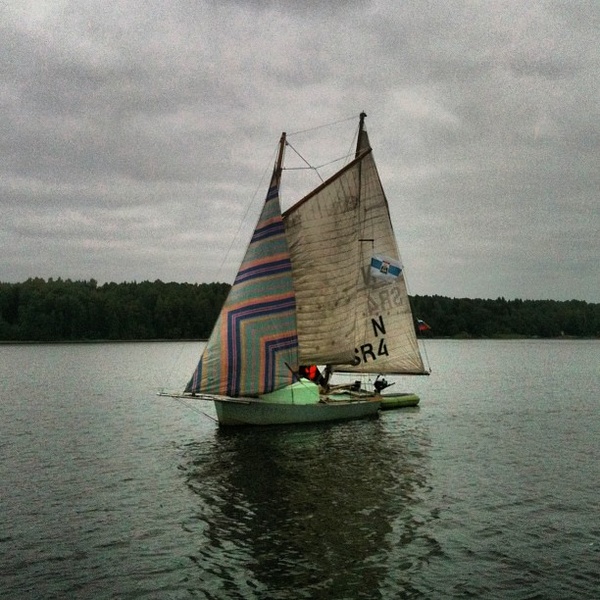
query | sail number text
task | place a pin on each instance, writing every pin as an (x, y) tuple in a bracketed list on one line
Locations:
[(370, 351)]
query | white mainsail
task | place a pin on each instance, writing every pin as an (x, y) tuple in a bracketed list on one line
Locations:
[(352, 304)]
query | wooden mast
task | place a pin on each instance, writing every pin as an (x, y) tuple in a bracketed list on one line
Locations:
[(279, 161)]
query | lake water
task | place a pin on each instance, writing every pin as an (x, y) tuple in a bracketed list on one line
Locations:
[(489, 489)]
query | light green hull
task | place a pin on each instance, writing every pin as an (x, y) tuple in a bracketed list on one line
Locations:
[(389, 401), (299, 402), (255, 412)]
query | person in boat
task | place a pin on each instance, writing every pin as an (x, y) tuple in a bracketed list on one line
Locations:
[(312, 373)]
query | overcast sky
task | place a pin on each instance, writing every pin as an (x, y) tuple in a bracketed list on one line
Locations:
[(138, 136)]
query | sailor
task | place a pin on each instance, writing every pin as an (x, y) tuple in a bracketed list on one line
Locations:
[(310, 372)]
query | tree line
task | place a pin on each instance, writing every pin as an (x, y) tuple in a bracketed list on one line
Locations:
[(478, 318), (65, 310)]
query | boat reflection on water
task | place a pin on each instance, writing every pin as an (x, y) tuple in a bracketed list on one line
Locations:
[(325, 511)]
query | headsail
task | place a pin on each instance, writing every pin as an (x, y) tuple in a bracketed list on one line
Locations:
[(348, 274), (255, 339)]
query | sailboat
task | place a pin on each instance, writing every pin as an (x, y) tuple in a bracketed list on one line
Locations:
[(320, 284)]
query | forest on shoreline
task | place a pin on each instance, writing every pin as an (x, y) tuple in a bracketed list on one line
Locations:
[(59, 310)]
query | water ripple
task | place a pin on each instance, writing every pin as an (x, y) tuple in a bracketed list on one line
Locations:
[(488, 490)]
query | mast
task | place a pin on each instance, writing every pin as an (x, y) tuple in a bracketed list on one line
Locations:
[(281, 152), (362, 142)]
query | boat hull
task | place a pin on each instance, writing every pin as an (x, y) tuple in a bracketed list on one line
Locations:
[(252, 412), (402, 400)]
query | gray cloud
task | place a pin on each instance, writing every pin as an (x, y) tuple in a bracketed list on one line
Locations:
[(137, 137)]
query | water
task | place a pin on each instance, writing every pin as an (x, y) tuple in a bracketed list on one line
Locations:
[(489, 489)]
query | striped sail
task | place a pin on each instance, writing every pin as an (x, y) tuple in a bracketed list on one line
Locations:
[(254, 339), (352, 304)]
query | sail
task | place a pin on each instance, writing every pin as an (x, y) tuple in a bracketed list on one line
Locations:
[(254, 343), (353, 309)]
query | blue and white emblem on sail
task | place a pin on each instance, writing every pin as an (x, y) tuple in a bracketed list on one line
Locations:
[(385, 268)]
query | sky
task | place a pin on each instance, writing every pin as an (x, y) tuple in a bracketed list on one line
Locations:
[(138, 137)]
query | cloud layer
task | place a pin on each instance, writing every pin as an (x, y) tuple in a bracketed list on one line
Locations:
[(138, 136)]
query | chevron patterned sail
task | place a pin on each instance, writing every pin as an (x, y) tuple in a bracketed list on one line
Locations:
[(254, 344)]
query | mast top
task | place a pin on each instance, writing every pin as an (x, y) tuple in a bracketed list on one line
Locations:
[(362, 143), (279, 161)]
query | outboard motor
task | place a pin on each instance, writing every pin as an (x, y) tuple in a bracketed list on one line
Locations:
[(380, 384)]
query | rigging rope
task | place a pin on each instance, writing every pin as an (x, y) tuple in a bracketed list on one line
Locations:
[(420, 341), (309, 167), (321, 166), (322, 126), (195, 409), (260, 185), (242, 221)]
